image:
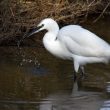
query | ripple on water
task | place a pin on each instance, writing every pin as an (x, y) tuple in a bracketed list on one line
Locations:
[(81, 101)]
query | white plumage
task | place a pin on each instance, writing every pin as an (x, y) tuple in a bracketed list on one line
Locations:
[(74, 43)]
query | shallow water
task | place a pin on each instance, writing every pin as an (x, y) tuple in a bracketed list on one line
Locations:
[(33, 79)]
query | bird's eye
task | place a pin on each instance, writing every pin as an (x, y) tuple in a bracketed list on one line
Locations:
[(42, 25)]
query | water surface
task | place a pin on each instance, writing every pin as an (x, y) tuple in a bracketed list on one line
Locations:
[(33, 79)]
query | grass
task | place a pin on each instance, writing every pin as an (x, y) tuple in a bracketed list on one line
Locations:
[(18, 16)]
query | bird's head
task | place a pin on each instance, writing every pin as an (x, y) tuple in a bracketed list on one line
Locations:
[(46, 24)]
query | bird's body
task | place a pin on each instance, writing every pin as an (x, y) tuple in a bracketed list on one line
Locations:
[(74, 43)]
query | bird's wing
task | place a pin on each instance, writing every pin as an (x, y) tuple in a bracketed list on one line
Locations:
[(82, 42)]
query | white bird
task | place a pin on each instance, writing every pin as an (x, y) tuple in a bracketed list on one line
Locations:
[(74, 43)]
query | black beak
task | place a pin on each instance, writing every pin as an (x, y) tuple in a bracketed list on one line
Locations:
[(30, 33)]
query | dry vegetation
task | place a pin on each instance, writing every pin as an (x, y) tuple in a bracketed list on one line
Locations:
[(18, 16)]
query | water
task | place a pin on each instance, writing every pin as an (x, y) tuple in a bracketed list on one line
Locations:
[(33, 79)]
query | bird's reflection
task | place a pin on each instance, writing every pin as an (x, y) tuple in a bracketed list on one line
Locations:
[(78, 100)]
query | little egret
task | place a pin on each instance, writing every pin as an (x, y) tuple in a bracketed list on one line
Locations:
[(74, 43)]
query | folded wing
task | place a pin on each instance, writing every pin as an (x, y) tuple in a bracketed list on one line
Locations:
[(82, 42)]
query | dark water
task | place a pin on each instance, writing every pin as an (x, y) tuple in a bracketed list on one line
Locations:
[(33, 79)]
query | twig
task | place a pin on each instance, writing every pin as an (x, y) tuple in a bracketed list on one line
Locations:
[(101, 13)]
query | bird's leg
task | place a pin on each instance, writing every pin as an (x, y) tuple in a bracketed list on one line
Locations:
[(74, 76), (78, 78), (82, 72), (76, 67)]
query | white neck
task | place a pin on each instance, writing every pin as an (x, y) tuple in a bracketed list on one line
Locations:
[(50, 40)]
